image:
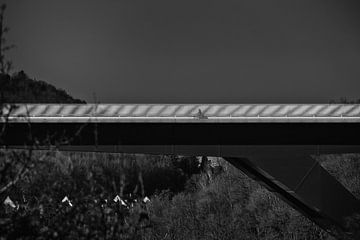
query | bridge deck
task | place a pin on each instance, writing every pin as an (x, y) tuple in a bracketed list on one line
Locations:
[(225, 130)]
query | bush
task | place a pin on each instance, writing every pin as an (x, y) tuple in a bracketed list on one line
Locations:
[(184, 204)]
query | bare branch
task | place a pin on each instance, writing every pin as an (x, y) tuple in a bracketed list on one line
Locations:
[(13, 182)]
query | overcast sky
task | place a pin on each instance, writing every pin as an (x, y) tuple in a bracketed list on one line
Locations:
[(190, 50)]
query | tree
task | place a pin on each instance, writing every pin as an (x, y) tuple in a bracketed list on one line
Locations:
[(5, 65)]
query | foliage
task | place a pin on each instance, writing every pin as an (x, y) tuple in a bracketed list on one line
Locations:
[(184, 204), (344, 100), (5, 65), (345, 168), (230, 206), (19, 88)]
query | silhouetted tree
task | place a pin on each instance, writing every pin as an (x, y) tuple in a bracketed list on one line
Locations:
[(5, 65), (344, 100), (19, 88)]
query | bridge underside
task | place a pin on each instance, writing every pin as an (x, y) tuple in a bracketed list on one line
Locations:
[(277, 155)]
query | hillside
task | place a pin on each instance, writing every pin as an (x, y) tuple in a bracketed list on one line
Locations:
[(19, 88)]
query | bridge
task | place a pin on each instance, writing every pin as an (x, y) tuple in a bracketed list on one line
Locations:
[(272, 143)]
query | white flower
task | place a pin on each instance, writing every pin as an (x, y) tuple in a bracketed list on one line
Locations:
[(66, 199), (118, 199), (146, 199), (9, 202)]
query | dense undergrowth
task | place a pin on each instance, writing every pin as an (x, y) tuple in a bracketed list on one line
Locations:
[(184, 203)]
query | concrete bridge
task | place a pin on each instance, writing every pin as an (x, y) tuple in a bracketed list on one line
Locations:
[(272, 143)]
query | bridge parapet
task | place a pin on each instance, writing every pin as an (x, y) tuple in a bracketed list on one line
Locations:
[(186, 112)]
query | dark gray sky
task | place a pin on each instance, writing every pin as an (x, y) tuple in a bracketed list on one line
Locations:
[(190, 50)]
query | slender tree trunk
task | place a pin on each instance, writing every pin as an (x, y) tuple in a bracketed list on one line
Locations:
[(2, 68)]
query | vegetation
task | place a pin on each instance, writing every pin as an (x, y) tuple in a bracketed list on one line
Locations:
[(5, 64), (19, 88), (344, 100), (183, 203), (53, 195)]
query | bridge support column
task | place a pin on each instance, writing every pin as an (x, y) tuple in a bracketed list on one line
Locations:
[(304, 184)]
